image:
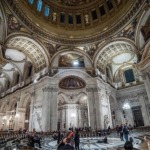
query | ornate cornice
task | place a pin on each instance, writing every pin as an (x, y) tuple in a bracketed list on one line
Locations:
[(14, 6)]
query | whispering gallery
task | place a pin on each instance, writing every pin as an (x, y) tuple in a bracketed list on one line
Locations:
[(74, 64)]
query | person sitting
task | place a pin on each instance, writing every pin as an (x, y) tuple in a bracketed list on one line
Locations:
[(105, 139), (128, 145), (37, 138), (67, 145)]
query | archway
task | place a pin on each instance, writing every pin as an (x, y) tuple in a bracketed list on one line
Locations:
[(72, 104)]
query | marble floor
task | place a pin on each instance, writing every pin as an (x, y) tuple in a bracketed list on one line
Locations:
[(141, 142)]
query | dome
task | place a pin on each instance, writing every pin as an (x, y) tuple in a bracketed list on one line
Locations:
[(91, 19), (72, 82)]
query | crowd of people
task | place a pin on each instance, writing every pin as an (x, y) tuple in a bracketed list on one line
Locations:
[(70, 140)]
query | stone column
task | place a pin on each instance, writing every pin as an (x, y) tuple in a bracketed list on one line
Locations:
[(49, 108), (146, 80), (20, 118), (119, 115), (91, 107), (31, 112), (2, 121), (53, 107), (46, 110), (94, 107), (144, 111)]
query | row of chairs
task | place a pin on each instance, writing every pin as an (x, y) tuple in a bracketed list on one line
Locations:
[(10, 138)]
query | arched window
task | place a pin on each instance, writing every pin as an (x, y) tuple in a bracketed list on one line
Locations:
[(46, 11), (39, 5)]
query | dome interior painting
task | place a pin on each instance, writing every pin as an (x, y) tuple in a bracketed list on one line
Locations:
[(72, 82)]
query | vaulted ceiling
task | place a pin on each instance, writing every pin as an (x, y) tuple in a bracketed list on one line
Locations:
[(37, 36)]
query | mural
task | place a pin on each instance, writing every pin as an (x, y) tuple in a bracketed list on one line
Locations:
[(129, 31), (71, 60), (71, 82), (13, 24)]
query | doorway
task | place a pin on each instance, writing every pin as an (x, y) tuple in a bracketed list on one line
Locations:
[(137, 115)]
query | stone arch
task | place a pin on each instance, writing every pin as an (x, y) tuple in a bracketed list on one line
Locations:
[(32, 48), (113, 42), (61, 101), (12, 103), (3, 26), (25, 100), (87, 60), (64, 73), (146, 52)]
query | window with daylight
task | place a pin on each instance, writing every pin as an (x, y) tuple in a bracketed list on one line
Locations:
[(129, 75), (94, 15), (46, 11), (102, 10), (109, 4), (62, 17), (70, 19), (78, 19), (39, 5)]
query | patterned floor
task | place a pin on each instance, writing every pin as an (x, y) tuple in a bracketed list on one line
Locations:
[(141, 142), (92, 143)]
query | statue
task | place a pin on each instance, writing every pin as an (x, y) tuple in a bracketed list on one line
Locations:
[(54, 16), (106, 121), (86, 18)]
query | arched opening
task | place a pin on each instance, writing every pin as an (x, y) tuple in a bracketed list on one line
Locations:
[(72, 104), (27, 116)]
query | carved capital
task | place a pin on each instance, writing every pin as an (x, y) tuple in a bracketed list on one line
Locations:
[(50, 89), (93, 89)]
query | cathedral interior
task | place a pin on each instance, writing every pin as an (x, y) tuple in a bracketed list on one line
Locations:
[(74, 63)]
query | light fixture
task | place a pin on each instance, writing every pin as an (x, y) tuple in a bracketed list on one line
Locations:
[(35, 81), (26, 121), (75, 63), (73, 115), (17, 116), (126, 106), (5, 117)]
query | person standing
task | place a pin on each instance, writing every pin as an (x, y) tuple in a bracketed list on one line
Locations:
[(125, 132), (121, 132), (67, 145), (77, 140), (58, 137)]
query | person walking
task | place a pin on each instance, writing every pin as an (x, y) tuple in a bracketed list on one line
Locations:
[(77, 140)]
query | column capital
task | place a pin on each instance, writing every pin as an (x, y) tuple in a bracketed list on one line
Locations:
[(50, 89), (93, 89)]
